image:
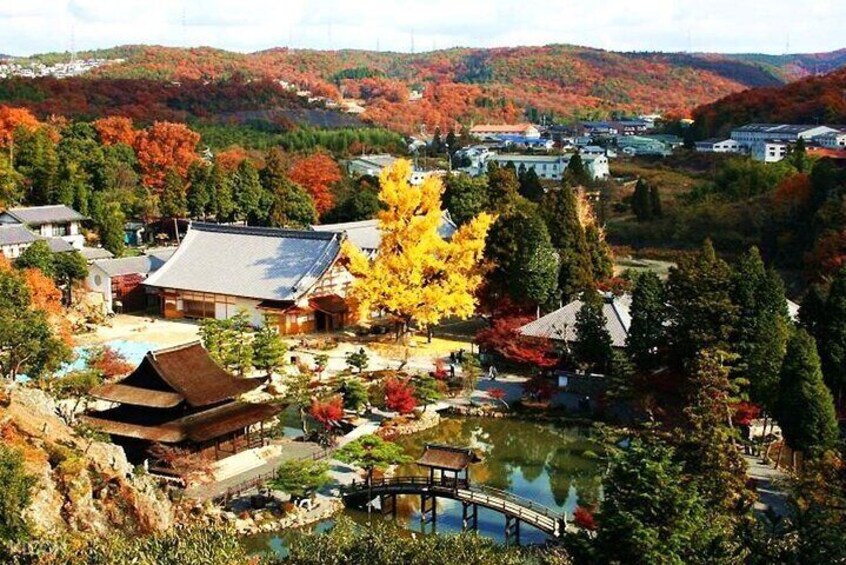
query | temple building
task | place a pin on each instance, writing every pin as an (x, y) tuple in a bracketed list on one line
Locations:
[(179, 397), (293, 278)]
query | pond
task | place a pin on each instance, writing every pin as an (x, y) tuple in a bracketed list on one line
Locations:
[(132, 351), (557, 466)]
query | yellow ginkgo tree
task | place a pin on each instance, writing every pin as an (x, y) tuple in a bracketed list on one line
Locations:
[(416, 276)]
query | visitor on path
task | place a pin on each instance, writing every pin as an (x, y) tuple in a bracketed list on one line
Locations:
[(452, 370), (492, 372)]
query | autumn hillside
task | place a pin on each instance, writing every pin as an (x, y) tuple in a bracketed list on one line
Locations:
[(819, 99), (465, 85)]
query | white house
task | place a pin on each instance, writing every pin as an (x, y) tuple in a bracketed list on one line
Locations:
[(373, 164), (57, 221), (832, 140), (121, 280), (718, 146), (552, 167), (14, 238), (483, 131)]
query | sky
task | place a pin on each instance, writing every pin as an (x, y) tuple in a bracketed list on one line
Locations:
[(727, 26)]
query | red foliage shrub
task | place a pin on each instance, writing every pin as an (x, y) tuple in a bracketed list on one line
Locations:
[(584, 519), (327, 412), (745, 412), (503, 338), (496, 393), (109, 363), (399, 396)]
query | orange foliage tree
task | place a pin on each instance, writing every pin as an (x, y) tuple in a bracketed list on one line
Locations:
[(116, 129), (47, 297), (317, 173), (13, 118), (230, 159), (164, 147)]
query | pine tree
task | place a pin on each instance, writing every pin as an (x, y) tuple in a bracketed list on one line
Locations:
[(649, 317), (530, 185), (700, 309), (592, 348), (812, 310), (575, 174), (602, 266), (641, 201), (268, 348), (805, 407), (832, 337), (221, 199), (247, 194), (503, 187), (291, 205), (560, 210), (198, 192), (465, 196)]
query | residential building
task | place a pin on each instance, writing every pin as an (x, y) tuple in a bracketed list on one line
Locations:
[(718, 145), (366, 236), (14, 239), (552, 167), (179, 397), (560, 325), (770, 151), (500, 131), (293, 277), (770, 142), (49, 221), (121, 281)]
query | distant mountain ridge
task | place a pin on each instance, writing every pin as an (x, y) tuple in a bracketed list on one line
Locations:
[(468, 85)]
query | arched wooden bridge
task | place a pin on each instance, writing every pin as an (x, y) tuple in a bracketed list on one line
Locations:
[(516, 509)]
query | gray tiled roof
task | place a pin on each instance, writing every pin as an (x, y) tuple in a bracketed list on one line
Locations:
[(365, 233), (260, 263), (143, 264), (13, 234), (39, 215), (94, 253), (561, 324), (58, 245)]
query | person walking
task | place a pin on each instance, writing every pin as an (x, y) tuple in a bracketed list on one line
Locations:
[(492, 372)]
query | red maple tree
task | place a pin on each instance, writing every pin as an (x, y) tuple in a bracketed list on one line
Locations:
[(399, 396), (13, 118), (503, 338), (109, 362), (164, 147), (115, 129), (317, 173), (327, 412), (583, 518)]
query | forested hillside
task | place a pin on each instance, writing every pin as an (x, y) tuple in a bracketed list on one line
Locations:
[(466, 85), (818, 99)]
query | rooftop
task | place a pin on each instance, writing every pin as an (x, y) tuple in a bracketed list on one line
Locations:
[(447, 457), (500, 128), (365, 234), (142, 264), (561, 324), (251, 262), (39, 215), (15, 234)]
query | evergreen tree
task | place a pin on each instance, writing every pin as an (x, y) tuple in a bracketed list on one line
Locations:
[(592, 348), (519, 245), (652, 513), (247, 193), (530, 186), (198, 193), (503, 187), (437, 145), (221, 199), (465, 196), (832, 337), (36, 159), (173, 202), (805, 406), (560, 210), (641, 201), (69, 267), (708, 447), (700, 309), (647, 333), (291, 205), (655, 202), (110, 221), (812, 310), (37, 256), (602, 266), (575, 174), (16, 486), (268, 348)]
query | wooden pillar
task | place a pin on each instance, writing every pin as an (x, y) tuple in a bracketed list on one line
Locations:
[(512, 530), (428, 508), (469, 516), (388, 502)]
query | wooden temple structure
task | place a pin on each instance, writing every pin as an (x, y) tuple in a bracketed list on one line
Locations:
[(179, 397)]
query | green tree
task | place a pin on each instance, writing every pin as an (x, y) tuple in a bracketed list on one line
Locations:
[(16, 486), (28, 344), (602, 266), (832, 337), (11, 183), (242, 348), (708, 446), (355, 394), (198, 191), (426, 389), (700, 309), (652, 512), (173, 202), (503, 187), (799, 156), (530, 185), (657, 208), (221, 200), (69, 267), (519, 245), (805, 407), (465, 196), (372, 452), (37, 256), (301, 478), (641, 202), (358, 360), (36, 159), (576, 174), (812, 310), (268, 348), (247, 192), (109, 219), (647, 333), (592, 348), (560, 210)]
